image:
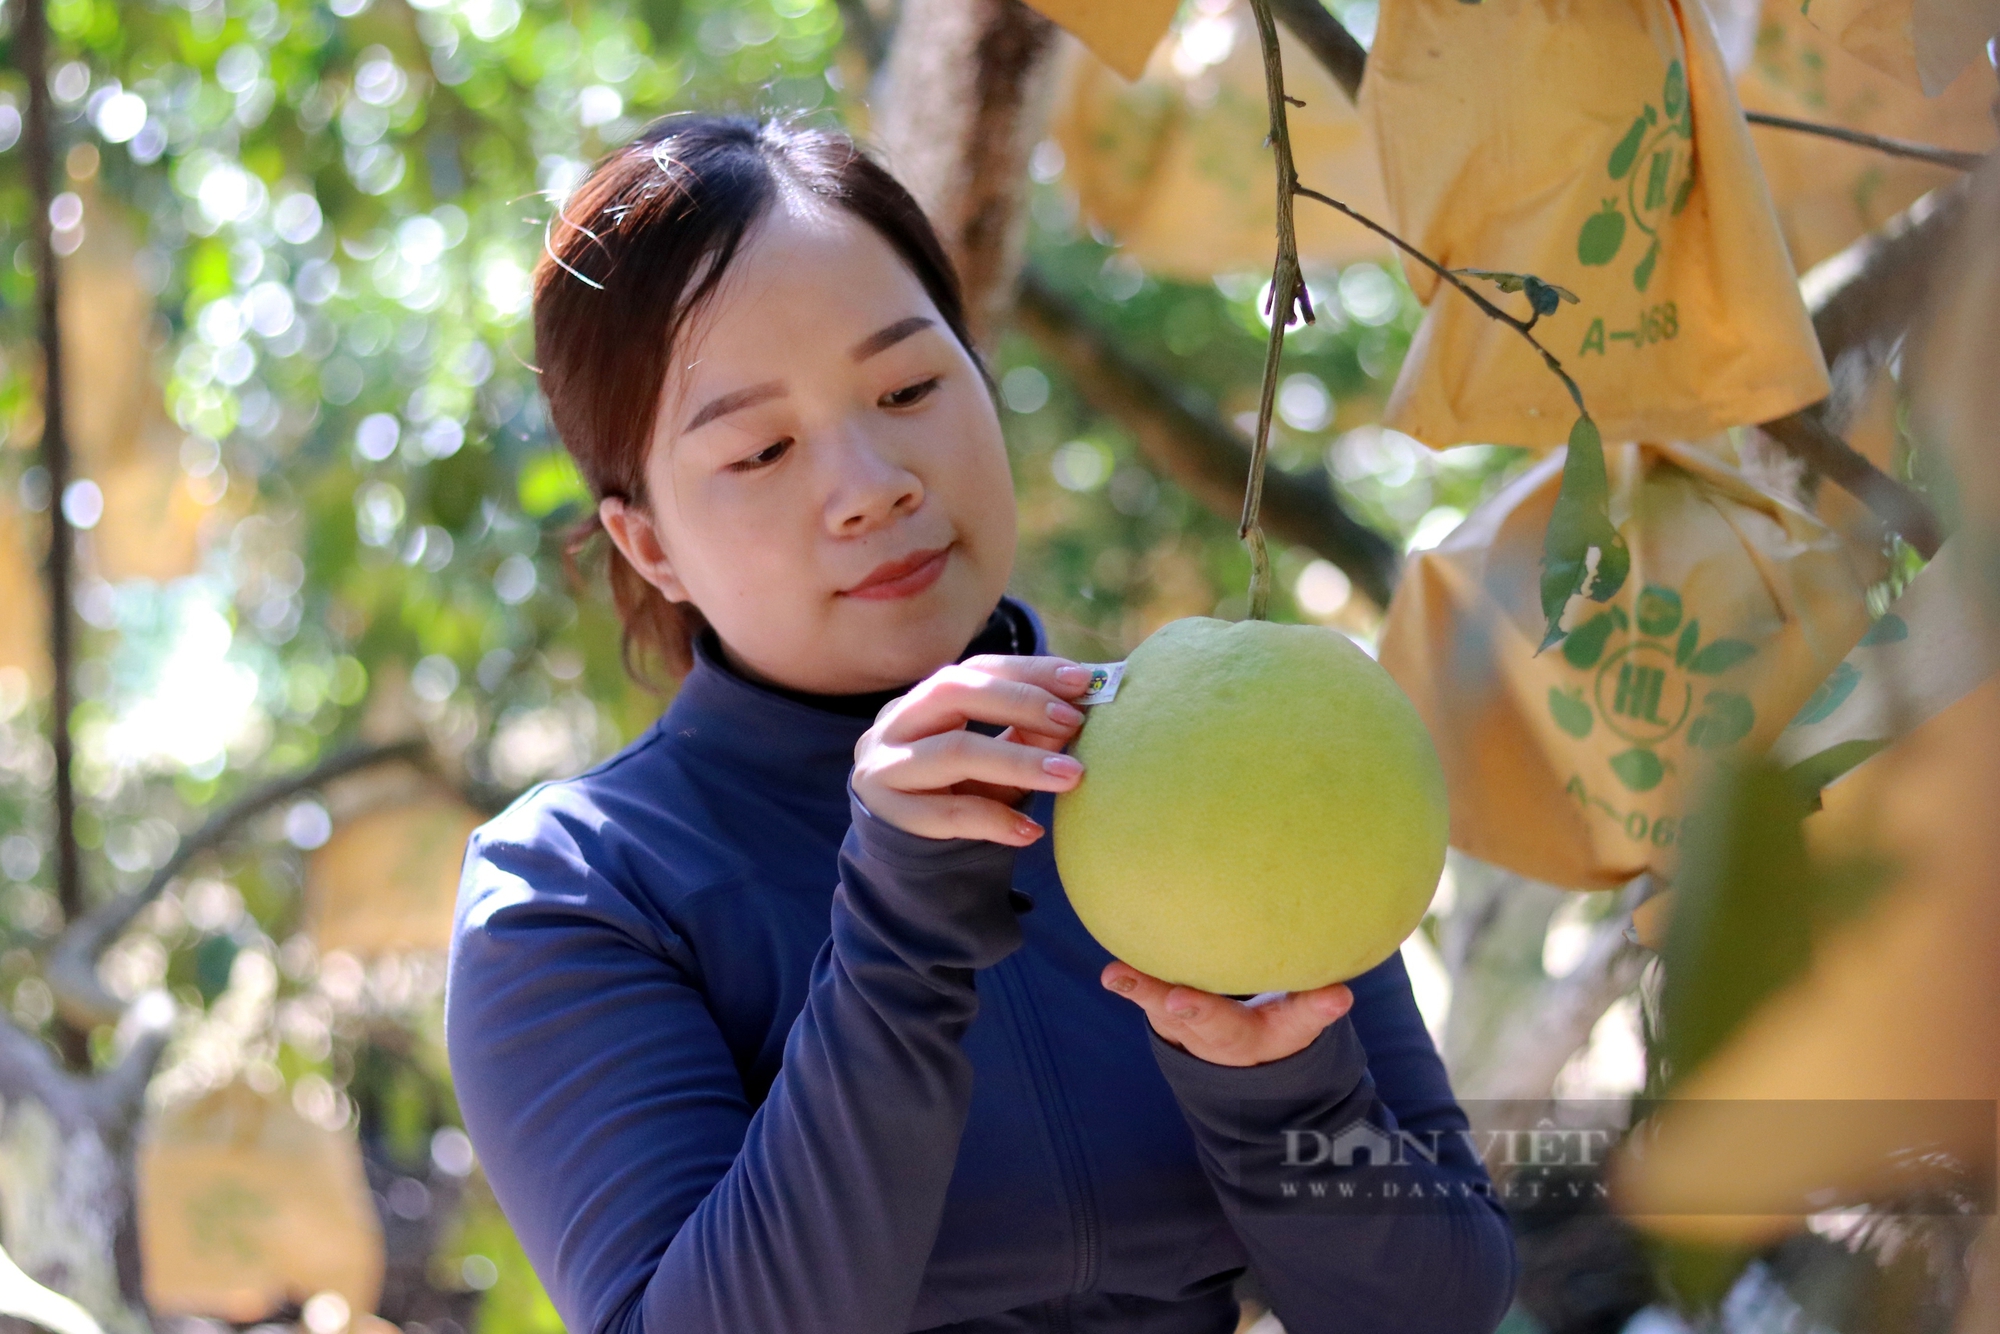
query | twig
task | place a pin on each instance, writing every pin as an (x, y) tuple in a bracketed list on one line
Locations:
[(1909, 148), (39, 150), (1288, 293), (71, 968), (1525, 328)]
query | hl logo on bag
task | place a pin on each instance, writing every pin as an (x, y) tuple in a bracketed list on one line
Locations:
[(1655, 164), (1660, 683)]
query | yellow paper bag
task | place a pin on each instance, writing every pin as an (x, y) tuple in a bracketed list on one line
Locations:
[(23, 629), (1122, 32), (1597, 145), (1829, 193), (388, 878), (1924, 43), (245, 1207), (1922, 957), (1572, 766), (1170, 166)]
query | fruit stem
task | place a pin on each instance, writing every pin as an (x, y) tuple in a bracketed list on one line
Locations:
[(1288, 294)]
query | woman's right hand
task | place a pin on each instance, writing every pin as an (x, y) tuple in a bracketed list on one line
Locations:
[(921, 769)]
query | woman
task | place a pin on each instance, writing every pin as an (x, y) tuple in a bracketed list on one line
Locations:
[(779, 1020)]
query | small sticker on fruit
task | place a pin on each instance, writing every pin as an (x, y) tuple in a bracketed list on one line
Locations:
[(1104, 679)]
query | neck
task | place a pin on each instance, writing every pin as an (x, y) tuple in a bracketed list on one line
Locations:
[(1008, 630)]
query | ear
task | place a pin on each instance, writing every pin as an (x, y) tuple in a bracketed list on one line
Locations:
[(638, 540)]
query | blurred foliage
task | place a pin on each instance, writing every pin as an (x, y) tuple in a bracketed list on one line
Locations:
[(335, 208)]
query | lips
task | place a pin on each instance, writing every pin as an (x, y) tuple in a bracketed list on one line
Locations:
[(901, 578)]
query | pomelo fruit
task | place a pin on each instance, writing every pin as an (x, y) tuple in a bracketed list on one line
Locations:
[(1261, 810)]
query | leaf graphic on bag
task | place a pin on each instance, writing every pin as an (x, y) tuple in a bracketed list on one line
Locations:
[(1639, 769), (1720, 657), (1727, 719), (1570, 711)]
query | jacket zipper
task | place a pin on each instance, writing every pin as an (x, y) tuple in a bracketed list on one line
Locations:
[(1070, 1160)]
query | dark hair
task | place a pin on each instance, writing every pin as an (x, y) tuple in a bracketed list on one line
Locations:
[(637, 249)]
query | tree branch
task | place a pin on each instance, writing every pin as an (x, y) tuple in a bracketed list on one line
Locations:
[(1937, 157), (1288, 294), (71, 967), (1203, 454)]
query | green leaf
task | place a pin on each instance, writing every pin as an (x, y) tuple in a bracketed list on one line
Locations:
[(1741, 926), (1816, 771), (1580, 526), (213, 960), (1720, 656), (1500, 278)]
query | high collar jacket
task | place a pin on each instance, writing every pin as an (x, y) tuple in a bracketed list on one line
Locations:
[(738, 1056)]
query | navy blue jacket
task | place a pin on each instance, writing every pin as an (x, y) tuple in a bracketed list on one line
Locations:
[(738, 1056)]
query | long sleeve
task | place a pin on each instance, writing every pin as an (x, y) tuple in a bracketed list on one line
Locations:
[(1343, 1243), (614, 1124)]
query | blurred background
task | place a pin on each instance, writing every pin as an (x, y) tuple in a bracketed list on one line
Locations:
[(322, 625)]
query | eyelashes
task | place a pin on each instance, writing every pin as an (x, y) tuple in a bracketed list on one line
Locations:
[(764, 457), (906, 397), (911, 395)]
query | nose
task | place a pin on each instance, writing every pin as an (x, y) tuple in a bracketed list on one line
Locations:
[(870, 488)]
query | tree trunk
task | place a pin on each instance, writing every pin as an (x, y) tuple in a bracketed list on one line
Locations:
[(965, 97), (67, 1179)]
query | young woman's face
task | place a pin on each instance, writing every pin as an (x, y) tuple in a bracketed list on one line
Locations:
[(827, 479)]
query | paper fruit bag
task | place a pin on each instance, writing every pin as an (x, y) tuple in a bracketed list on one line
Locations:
[(245, 1206), (1924, 43), (1572, 766), (1170, 165), (388, 878), (1829, 193), (1122, 32), (1930, 649), (1596, 144)]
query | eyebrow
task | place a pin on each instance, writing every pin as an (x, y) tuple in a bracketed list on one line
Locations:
[(880, 341), (884, 339), (735, 401)]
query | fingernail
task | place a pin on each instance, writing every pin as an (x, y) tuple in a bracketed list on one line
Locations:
[(1122, 984), (1027, 829), (1073, 676), (1063, 766), (1181, 1010), (1064, 714)]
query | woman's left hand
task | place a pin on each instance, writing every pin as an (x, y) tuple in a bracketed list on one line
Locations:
[(1222, 1031)]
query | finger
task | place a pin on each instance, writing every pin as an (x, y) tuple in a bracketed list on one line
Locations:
[(956, 815), (955, 696), (1039, 740), (1057, 675), (935, 763), (1148, 993), (1288, 1023)]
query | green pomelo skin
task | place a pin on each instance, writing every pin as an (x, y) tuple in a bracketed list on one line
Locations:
[(1261, 810)]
